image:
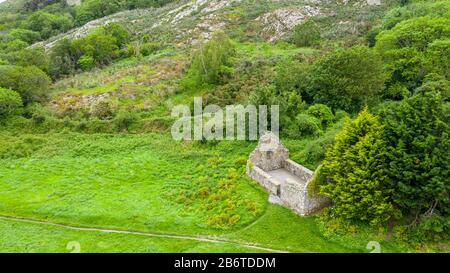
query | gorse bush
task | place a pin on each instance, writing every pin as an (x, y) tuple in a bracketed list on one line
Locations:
[(124, 120), (147, 49), (103, 109), (10, 103)]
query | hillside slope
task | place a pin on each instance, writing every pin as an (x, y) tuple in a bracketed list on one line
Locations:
[(184, 22)]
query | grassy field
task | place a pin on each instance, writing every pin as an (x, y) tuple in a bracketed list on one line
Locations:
[(69, 184), (28, 237), (135, 183)]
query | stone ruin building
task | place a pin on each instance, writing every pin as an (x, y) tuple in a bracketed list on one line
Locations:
[(285, 180)]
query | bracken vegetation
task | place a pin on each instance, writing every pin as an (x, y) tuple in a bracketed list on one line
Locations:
[(86, 93)]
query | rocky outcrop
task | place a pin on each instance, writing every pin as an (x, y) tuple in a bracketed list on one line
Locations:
[(277, 23)]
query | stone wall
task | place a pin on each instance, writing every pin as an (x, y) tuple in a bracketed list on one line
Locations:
[(295, 196), (288, 189), (296, 169), (264, 179)]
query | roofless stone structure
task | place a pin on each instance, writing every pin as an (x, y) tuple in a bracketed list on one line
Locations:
[(285, 180)]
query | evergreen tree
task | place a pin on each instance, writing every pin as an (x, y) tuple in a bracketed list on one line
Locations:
[(355, 169), (418, 148)]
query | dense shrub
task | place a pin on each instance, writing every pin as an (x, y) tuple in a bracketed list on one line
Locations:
[(303, 125), (92, 9), (14, 45), (306, 34), (86, 62), (10, 103), (29, 57), (290, 103), (348, 78), (103, 109), (30, 82), (124, 120), (419, 9), (33, 5), (48, 24), (148, 49), (119, 32), (25, 35), (293, 75), (314, 152), (212, 62), (414, 48), (322, 113), (100, 47), (63, 59)]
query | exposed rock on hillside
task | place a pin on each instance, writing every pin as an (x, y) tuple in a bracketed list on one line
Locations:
[(185, 22), (277, 23)]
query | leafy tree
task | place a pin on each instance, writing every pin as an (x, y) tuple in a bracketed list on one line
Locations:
[(119, 32), (29, 56), (212, 62), (417, 133), (103, 48), (356, 171), (414, 10), (48, 24), (100, 47), (438, 54), (86, 62), (92, 9), (414, 48), (10, 103), (293, 75), (303, 125), (322, 113), (25, 35), (13, 46), (63, 59), (348, 78), (290, 106), (33, 5), (306, 34), (30, 82)]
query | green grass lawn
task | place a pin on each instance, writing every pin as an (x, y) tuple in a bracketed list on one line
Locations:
[(26, 237), (146, 183)]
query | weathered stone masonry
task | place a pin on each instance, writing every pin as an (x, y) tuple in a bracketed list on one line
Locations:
[(285, 180)]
